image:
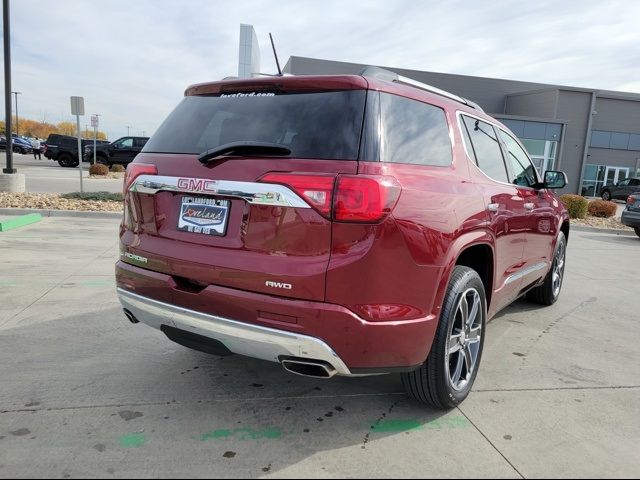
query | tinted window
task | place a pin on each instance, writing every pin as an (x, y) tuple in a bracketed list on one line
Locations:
[(521, 168), (634, 182), (486, 148), (125, 143), (624, 183), (313, 125), (139, 142), (413, 132)]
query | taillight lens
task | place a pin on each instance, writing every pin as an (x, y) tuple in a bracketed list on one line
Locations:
[(366, 199), (134, 170), (631, 200), (317, 190), (356, 198)]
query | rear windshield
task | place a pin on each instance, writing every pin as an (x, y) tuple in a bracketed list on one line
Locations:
[(324, 125)]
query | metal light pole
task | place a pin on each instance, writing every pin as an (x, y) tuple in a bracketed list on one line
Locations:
[(128, 127), (7, 86), (94, 121), (17, 129)]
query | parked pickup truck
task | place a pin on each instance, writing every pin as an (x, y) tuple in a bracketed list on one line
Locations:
[(122, 151), (64, 149)]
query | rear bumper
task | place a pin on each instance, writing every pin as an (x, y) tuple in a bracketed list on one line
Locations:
[(270, 327), (241, 338), (630, 218)]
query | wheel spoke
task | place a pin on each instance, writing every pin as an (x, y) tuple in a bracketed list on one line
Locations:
[(475, 308), (474, 335), (468, 360), (464, 310), (454, 343), (455, 378)]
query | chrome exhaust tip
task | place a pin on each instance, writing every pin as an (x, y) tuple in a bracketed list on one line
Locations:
[(309, 368), (130, 316)]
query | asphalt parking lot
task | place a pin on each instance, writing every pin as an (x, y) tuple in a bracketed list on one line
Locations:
[(83, 393), (46, 176)]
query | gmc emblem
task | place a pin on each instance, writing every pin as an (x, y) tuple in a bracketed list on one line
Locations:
[(286, 286), (197, 184)]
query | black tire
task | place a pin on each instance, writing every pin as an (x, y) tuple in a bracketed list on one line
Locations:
[(546, 293), (637, 230), (606, 195), (431, 383), (102, 160), (66, 160), (16, 149)]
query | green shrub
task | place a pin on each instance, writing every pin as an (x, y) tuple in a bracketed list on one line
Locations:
[(118, 168), (576, 205), (602, 208), (97, 196), (98, 169)]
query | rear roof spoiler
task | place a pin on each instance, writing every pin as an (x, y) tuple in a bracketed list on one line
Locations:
[(389, 76)]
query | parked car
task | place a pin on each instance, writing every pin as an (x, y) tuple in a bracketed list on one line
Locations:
[(339, 225), (631, 214), (3, 142), (20, 145), (64, 149), (122, 151), (620, 190)]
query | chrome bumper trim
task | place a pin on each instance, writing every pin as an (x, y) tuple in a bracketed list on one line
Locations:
[(241, 338), (252, 192)]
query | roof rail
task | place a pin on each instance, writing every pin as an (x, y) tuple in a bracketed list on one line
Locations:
[(389, 76)]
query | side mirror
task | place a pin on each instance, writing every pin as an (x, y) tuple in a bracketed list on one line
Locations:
[(555, 180)]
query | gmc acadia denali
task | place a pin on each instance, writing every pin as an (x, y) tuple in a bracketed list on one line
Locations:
[(339, 225)]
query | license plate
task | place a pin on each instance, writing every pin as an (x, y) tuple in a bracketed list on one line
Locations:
[(203, 215)]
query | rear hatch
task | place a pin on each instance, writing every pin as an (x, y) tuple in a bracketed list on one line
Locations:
[(229, 220)]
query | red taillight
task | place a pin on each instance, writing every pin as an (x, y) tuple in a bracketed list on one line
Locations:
[(631, 200), (317, 190), (366, 199), (357, 198), (134, 170)]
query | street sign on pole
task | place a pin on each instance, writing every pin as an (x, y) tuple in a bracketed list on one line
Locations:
[(77, 109), (95, 122)]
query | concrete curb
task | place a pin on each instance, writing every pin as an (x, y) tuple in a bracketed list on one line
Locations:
[(60, 213), (626, 233)]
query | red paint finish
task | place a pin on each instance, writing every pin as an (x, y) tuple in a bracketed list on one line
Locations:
[(370, 287)]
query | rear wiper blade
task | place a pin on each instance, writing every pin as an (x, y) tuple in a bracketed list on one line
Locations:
[(244, 149)]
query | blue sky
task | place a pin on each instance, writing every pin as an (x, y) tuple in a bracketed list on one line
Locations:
[(132, 60)]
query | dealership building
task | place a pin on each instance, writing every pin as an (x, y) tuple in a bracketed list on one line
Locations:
[(592, 135)]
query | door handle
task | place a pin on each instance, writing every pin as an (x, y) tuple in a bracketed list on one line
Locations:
[(529, 206), (493, 207)]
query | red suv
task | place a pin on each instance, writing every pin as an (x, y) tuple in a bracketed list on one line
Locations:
[(339, 225)]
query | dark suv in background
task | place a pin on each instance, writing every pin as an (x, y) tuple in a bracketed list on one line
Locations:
[(621, 190), (339, 225), (122, 151), (64, 149)]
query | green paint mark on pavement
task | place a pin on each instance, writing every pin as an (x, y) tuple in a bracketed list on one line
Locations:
[(20, 221), (243, 434), (391, 426), (445, 423), (133, 441)]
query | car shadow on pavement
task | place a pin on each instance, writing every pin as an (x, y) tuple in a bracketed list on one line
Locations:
[(118, 379)]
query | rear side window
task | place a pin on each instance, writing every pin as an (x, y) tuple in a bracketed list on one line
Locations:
[(522, 170), (139, 142), (323, 125), (486, 148), (413, 132)]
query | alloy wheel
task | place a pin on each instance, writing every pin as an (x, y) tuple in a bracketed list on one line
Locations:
[(558, 269), (464, 339)]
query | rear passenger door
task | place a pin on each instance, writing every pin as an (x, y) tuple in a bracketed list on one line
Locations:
[(541, 225), (505, 207)]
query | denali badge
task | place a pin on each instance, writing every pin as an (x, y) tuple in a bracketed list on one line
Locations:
[(286, 286), (135, 258)]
